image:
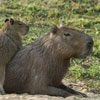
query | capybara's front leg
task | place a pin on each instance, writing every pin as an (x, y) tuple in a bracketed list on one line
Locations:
[(2, 78), (1, 89), (53, 91), (62, 86)]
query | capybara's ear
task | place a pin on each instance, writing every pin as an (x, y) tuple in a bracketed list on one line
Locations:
[(11, 21), (6, 20), (54, 29)]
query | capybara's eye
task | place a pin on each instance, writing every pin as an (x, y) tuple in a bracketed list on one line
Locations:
[(67, 34)]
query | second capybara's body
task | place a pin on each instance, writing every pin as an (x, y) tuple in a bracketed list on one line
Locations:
[(10, 43), (39, 68)]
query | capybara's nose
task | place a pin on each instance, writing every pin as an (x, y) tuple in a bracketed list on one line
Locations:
[(90, 43), (27, 28)]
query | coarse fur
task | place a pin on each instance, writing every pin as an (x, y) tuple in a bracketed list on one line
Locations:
[(10, 43), (39, 68)]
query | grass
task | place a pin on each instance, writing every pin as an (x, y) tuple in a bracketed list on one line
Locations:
[(83, 15)]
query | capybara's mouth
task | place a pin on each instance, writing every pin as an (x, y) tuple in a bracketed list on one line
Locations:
[(88, 53), (27, 29)]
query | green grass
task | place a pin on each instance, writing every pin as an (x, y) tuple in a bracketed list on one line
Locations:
[(80, 14)]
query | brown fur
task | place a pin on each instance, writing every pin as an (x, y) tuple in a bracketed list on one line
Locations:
[(10, 42), (39, 68)]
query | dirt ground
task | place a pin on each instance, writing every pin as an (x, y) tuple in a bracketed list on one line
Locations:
[(91, 96), (79, 86)]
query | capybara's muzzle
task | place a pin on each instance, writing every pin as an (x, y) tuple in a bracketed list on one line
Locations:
[(90, 43)]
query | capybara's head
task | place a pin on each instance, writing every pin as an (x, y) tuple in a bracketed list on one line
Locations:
[(71, 42), (16, 26)]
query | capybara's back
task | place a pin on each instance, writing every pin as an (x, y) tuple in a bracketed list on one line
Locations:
[(39, 68)]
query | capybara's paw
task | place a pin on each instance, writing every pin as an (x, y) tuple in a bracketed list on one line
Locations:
[(81, 95), (2, 92)]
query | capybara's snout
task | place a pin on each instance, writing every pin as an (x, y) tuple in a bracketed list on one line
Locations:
[(90, 42), (27, 28), (88, 48)]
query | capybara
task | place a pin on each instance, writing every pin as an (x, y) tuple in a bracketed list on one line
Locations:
[(10, 43), (39, 68)]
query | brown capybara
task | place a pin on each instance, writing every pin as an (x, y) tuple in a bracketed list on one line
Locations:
[(10, 43), (39, 68)]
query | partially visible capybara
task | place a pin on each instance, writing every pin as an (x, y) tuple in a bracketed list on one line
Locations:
[(10, 43), (39, 68)]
